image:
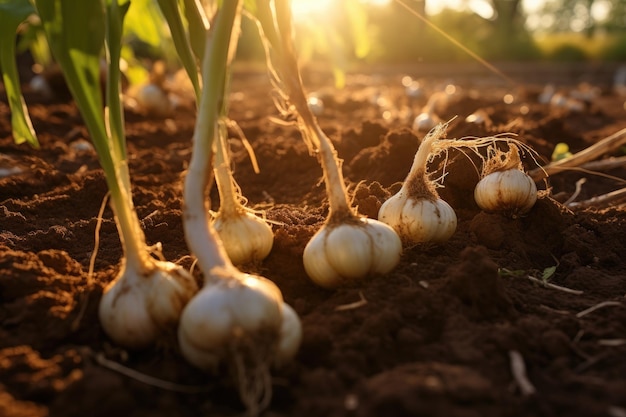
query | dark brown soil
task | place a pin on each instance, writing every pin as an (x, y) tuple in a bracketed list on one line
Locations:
[(434, 337)]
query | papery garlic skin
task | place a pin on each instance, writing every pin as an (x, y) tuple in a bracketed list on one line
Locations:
[(138, 309), (246, 237), (337, 254), (419, 220), (239, 315), (511, 191)]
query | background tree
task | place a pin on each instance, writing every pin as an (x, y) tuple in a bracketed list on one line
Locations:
[(587, 16)]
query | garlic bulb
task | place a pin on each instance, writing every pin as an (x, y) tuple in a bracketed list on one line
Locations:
[(511, 190), (423, 122), (152, 99), (416, 212), (351, 250), (316, 104), (138, 308), (246, 237), (428, 118), (290, 336), (419, 219), (241, 315), (504, 186)]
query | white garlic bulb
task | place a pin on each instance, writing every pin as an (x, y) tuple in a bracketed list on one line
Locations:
[(152, 99), (511, 190), (423, 122), (240, 315), (246, 237), (416, 212), (337, 254), (139, 308), (419, 219), (316, 105), (290, 335)]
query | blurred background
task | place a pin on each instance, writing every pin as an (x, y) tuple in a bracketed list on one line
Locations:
[(420, 37), (423, 37), (552, 30)]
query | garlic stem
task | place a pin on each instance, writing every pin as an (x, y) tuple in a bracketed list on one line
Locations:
[(331, 164), (307, 122), (199, 233), (417, 183), (229, 204), (433, 101), (339, 206)]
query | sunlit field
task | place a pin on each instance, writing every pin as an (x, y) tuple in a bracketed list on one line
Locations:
[(342, 208)]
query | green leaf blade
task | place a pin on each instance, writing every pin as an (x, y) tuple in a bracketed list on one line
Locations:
[(66, 23), (13, 13), (172, 14)]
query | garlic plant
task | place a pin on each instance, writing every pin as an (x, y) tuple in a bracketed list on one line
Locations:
[(12, 15), (504, 186), (416, 212), (236, 319), (246, 236), (142, 304), (348, 246)]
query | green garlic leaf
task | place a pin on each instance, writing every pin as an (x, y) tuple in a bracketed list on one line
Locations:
[(12, 14)]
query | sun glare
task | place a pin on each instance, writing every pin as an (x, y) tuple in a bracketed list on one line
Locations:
[(302, 9)]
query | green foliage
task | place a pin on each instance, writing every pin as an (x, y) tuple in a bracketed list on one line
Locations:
[(197, 28), (575, 47), (614, 49), (568, 53), (546, 275), (79, 32), (182, 42), (33, 38), (78, 55), (338, 36), (114, 119), (143, 22), (358, 20), (12, 14)]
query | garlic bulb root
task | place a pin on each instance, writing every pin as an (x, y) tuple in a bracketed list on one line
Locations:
[(224, 314), (241, 320)]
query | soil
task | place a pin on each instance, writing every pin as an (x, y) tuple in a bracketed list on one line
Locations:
[(435, 337)]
